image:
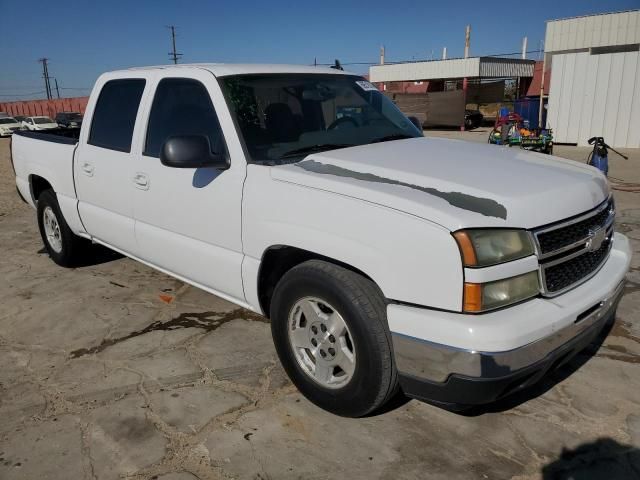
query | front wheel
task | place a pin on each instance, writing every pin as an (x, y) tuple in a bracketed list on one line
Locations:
[(63, 246), (330, 331)]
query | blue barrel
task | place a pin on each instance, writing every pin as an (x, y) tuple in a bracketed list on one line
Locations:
[(601, 163)]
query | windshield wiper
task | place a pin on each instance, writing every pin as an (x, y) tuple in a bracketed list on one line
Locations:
[(396, 136), (321, 147)]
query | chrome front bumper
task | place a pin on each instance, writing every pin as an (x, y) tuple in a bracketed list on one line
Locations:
[(435, 362)]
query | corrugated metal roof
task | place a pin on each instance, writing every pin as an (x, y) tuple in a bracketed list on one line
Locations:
[(604, 30), (452, 68)]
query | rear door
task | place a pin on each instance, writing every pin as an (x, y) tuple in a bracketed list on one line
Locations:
[(104, 167), (188, 220)]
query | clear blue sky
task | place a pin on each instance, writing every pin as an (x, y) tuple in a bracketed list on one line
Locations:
[(84, 39)]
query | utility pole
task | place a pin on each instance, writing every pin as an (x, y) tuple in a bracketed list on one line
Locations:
[(45, 75), (57, 89), (542, 74), (467, 45), (173, 54), (524, 48), (444, 53), (467, 41), (382, 53)]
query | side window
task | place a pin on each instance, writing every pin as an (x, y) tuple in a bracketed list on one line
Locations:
[(182, 106), (115, 114)]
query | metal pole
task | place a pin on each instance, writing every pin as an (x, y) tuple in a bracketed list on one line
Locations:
[(524, 48), (49, 93), (57, 89), (173, 41), (45, 75), (384, 87), (174, 55), (541, 106), (467, 44), (444, 53), (467, 41)]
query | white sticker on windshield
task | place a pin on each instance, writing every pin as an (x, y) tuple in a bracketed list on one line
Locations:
[(366, 86)]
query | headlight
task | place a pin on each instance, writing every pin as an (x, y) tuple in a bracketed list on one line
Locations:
[(481, 248), (480, 297)]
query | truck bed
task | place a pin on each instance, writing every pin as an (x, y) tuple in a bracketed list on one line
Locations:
[(47, 155), (67, 136)]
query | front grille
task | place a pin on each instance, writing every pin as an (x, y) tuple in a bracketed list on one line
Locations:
[(565, 274), (570, 251), (562, 237)]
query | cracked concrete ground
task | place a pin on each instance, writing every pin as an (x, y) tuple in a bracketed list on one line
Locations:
[(114, 370)]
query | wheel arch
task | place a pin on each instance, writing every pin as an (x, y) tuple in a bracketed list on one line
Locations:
[(37, 185), (279, 259)]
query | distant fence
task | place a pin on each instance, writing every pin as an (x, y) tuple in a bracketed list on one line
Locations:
[(47, 108)]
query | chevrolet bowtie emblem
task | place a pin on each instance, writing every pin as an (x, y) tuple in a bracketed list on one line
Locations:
[(596, 238)]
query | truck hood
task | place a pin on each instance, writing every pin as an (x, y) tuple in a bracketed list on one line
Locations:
[(454, 183)]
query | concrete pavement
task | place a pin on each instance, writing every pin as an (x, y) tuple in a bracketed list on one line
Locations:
[(113, 370)]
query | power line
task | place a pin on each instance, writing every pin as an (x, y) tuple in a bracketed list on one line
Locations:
[(174, 54), (21, 87), (21, 94)]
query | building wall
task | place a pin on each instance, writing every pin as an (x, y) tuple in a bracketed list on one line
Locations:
[(595, 95), (605, 30)]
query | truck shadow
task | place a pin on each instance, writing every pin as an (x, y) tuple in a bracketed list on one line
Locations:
[(97, 254), (600, 459), (92, 255)]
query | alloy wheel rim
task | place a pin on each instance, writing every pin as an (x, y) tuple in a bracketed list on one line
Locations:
[(52, 229), (321, 342)]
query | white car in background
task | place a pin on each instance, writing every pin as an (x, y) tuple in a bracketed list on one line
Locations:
[(8, 125), (39, 123)]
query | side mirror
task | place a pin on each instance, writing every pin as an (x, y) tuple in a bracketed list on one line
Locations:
[(415, 122), (191, 151)]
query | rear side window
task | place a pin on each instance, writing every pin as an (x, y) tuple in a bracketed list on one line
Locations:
[(115, 114), (182, 106)]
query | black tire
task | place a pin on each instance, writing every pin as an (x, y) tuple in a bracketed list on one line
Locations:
[(362, 306), (72, 246)]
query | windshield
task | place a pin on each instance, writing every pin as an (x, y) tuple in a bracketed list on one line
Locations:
[(7, 120), (72, 116), (284, 117), (41, 120)]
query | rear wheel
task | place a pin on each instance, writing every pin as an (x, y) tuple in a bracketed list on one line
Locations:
[(330, 331), (63, 246)]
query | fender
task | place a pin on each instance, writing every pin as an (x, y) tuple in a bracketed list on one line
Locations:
[(379, 241)]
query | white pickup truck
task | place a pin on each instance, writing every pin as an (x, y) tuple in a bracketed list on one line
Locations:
[(457, 272)]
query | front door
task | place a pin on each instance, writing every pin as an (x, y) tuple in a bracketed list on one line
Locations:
[(188, 220)]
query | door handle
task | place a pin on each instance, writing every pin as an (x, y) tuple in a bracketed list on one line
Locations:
[(141, 180), (87, 168)]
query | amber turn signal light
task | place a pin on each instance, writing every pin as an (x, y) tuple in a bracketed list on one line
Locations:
[(466, 248), (472, 297)]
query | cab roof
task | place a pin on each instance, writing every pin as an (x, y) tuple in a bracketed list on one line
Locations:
[(225, 69)]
